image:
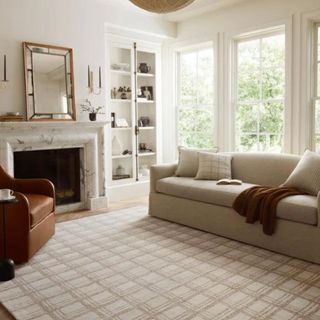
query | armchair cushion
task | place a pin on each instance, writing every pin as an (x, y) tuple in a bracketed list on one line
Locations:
[(40, 206)]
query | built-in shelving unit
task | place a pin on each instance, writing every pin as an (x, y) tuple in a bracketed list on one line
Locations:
[(132, 70)]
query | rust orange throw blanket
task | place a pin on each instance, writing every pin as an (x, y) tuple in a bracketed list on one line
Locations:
[(260, 203)]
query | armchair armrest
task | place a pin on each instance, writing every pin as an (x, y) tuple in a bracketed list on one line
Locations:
[(18, 228), (37, 186), (161, 171)]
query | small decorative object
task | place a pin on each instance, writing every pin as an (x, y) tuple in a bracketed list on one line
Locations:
[(120, 66), (126, 152), (120, 170), (161, 6), (119, 93), (128, 93), (113, 120), (114, 93), (121, 123), (144, 121), (144, 68), (116, 146), (91, 84), (93, 111), (139, 93), (143, 147), (147, 92), (124, 93)]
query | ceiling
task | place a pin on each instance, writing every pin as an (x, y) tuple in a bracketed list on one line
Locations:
[(198, 7)]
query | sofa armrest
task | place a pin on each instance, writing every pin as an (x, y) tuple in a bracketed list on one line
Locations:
[(36, 186), (160, 171), (318, 198)]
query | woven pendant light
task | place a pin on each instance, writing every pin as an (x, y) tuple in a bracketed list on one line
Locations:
[(161, 6)]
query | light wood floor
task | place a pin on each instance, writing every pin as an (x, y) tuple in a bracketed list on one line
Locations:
[(113, 206)]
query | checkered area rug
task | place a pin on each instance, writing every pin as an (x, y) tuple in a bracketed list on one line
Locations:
[(127, 265)]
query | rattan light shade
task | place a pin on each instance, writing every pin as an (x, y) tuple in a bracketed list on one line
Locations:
[(161, 6)]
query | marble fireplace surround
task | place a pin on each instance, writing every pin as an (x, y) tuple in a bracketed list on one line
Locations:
[(89, 136)]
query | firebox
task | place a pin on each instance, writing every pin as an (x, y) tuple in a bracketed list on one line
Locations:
[(60, 166)]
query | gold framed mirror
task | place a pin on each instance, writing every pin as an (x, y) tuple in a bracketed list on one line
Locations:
[(49, 82)]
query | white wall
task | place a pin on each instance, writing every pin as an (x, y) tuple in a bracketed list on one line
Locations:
[(219, 27), (79, 24)]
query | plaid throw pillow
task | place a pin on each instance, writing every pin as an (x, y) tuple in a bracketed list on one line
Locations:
[(214, 166), (188, 161)]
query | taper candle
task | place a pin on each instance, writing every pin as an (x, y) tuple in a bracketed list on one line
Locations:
[(5, 68), (89, 84)]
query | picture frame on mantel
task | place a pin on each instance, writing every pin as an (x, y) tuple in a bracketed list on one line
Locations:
[(49, 82)]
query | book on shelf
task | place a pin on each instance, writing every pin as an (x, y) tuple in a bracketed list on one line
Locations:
[(120, 176), (229, 181)]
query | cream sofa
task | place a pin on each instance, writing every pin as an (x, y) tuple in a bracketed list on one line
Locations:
[(203, 205)]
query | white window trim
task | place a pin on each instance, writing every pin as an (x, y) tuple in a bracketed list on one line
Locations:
[(231, 85), (306, 111), (314, 82)]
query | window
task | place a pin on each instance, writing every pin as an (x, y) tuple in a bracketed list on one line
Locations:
[(195, 98), (260, 92), (316, 89)]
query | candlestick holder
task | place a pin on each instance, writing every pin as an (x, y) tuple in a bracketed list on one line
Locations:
[(4, 82), (90, 87)]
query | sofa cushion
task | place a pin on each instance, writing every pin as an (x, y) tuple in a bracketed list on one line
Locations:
[(189, 162), (201, 190), (40, 206), (214, 166), (301, 208), (306, 175)]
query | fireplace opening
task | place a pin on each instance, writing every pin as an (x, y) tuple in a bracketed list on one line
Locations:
[(60, 166)]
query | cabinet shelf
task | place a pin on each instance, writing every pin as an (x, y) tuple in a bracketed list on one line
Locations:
[(121, 100), (120, 72), (122, 156), (146, 128), (145, 101), (146, 154), (121, 129), (146, 75)]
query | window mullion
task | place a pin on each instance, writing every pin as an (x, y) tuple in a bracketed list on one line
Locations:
[(260, 92)]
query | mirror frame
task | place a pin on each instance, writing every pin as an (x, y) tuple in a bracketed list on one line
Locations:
[(30, 109)]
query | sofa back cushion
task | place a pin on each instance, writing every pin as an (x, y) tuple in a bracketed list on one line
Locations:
[(306, 176), (268, 169), (189, 161)]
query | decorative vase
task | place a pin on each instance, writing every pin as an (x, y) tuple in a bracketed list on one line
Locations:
[(116, 146), (144, 68), (92, 116)]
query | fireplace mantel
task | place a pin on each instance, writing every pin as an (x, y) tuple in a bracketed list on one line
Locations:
[(68, 125), (90, 136)]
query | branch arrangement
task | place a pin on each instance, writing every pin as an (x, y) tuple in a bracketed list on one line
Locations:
[(87, 107)]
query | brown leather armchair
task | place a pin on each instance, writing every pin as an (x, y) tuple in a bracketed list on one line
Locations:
[(30, 222)]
